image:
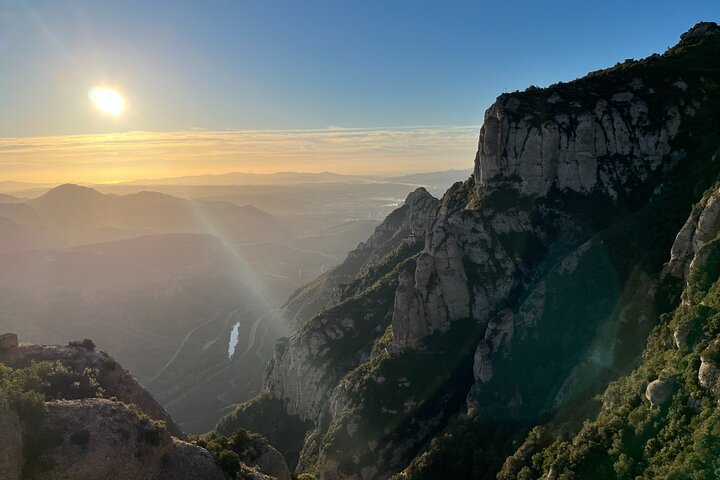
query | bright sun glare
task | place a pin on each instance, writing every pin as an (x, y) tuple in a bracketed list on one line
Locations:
[(107, 100)]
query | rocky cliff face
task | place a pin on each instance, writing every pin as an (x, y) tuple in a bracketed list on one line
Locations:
[(405, 227), (116, 381), (303, 370), (536, 284), (97, 438), (659, 420), (577, 143), (124, 435)]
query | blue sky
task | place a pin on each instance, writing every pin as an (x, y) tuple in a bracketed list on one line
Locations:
[(308, 64), (265, 64)]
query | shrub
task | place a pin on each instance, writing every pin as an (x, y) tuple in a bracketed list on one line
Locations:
[(230, 462), (86, 344), (712, 354), (150, 431)]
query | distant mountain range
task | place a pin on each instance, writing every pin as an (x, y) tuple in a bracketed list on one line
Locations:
[(80, 215), (290, 178), (267, 179), (241, 178)]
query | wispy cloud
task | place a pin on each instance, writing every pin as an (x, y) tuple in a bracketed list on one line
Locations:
[(131, 155)]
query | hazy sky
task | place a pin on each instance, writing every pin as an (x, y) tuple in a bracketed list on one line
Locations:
[(228, 67)]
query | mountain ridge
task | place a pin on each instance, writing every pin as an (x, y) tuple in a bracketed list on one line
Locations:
[(71, 411), (571, 211)]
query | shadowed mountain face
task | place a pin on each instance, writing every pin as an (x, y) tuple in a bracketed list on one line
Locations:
[(535, 283)]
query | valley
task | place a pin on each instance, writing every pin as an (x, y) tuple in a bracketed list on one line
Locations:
[(359, 240), (164, 282)]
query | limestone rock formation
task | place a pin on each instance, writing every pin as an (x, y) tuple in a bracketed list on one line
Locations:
[(190, 462), (405, 227), (700, 228), (498, 337), (96, 438), (552, 250), (93, 437), (408, 321), (272, 463), (574, 149), (482, 363), (658, 392), (709, 376), (115, 380)]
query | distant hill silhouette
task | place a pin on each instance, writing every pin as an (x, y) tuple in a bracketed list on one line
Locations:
[(86, 215)]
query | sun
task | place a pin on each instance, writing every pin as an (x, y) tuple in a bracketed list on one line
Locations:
[(107, 100)]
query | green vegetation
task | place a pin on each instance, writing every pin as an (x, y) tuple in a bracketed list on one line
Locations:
[(597, 310), (630, 440), (691, 60), (267, 415), (393, 396), (233, 450), (148, 430), (27, 389), (86, 344)]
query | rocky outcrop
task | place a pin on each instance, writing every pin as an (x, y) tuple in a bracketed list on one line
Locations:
[(441, 292), (552, 251), (190, 462), (408, 323), (482, 363), (658, 392), (603, 142), (680, 335), (700, 228), (437, 295), (115, 380), (709, 376), (405, 226), (498, 337), (571, 144), (272, 463), (11, 447), (113, 437), (97, 438)]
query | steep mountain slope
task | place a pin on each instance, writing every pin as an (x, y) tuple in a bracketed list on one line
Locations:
[(163, 305), (69, 412), (405, 227), (660, 421), (115, 380), (538, 281)]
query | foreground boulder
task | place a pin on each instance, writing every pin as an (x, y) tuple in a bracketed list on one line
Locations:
[(658, 392)]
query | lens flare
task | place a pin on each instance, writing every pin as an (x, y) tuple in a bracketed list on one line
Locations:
[(107, 100)]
